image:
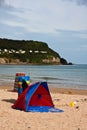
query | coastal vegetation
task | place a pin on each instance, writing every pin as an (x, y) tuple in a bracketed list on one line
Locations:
[(28, 52)]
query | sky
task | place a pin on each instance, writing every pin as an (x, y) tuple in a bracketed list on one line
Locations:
[(62, 24)]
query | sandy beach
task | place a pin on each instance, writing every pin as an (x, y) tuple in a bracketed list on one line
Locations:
[(73, 117)]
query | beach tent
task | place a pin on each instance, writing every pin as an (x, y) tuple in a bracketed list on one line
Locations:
[(36, 98)]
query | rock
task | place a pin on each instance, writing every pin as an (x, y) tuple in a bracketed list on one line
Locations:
[(2, 61)]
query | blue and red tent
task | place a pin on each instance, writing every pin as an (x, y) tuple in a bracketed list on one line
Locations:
[(36, 98)]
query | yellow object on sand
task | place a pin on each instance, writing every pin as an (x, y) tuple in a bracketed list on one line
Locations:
[(72, 104), (55, 102)]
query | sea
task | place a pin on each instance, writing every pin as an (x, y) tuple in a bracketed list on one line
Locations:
[(60, 76)]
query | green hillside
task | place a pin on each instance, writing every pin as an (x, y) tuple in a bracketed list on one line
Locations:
[(35, 52)]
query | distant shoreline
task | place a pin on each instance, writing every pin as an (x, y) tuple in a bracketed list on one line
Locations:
[(32, 64)]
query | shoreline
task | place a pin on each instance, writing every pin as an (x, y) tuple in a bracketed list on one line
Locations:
[(55, 90), (68, 91)]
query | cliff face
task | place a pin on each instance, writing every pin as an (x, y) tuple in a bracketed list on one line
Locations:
[(53, 60), (17, 61), (2, 61), (27, 52), (6, 61)]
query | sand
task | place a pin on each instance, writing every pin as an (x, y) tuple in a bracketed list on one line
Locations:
[(73, 117)]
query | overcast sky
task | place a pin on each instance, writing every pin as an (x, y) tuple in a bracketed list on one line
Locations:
[(62, 24)]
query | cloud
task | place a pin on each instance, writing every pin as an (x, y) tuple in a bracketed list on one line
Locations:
[(13, 32), (71, 33), (2, 3), (79, 2), (6, 6), (40, 17), (8, 17)]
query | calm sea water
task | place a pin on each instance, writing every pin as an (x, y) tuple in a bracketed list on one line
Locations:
[(67, 76)]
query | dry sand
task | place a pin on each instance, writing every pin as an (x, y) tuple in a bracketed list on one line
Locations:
[(73, 118)]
